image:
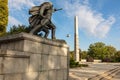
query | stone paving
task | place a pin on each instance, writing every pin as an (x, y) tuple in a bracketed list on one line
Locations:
[(94, 69), (117, 76)]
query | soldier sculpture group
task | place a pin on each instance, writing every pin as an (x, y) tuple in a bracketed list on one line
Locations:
[(40, 19)]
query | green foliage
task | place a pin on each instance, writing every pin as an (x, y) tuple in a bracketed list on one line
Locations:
[(110, 51), (18, 29), (3, 16), (117, 56), (96, 50), (71, 55), (74, 64), (84, 54), (100, 51)]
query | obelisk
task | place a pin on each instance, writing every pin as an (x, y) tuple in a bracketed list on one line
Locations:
[(76, 40)]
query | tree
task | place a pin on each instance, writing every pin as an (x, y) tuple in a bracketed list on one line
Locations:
[(3, 16), (96, 50), (117, 56), (84, 54), (110, 51), (17, 29), (99, 50), (109, 54), (71, 55)]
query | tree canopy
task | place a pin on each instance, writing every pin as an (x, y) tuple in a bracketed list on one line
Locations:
[(96, 50), (3, 16), (117, 56), (17, 29), (83, 54), (99, 50)]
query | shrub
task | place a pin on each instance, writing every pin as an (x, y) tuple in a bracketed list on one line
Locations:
[(74, 64), (89, 59), (106, 60)]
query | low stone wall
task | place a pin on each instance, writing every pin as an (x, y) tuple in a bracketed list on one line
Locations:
[(83, 60), (28, 57), (97, 60)]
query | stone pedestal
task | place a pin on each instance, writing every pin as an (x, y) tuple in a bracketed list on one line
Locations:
[(28, 57)]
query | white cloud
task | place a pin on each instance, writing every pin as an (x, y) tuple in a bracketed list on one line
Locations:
[(104, 27), (91, 21), (19, 4), (13, 21), (18, 9)]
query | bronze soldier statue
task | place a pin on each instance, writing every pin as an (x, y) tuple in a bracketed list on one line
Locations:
[(41, 19)]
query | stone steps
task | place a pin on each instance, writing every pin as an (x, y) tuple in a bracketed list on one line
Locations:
[(106, 75)]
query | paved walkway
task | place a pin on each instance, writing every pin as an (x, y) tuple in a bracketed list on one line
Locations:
[(96, 71)]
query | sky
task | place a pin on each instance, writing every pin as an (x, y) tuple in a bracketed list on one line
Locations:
[(98, 20)]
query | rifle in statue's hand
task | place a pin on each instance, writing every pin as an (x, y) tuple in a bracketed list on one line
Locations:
[(57, 9)]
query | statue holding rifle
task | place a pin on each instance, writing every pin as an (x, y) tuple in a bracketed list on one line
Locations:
[(41, 19)]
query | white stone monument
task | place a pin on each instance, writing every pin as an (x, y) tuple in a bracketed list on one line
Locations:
[(76, 40)]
